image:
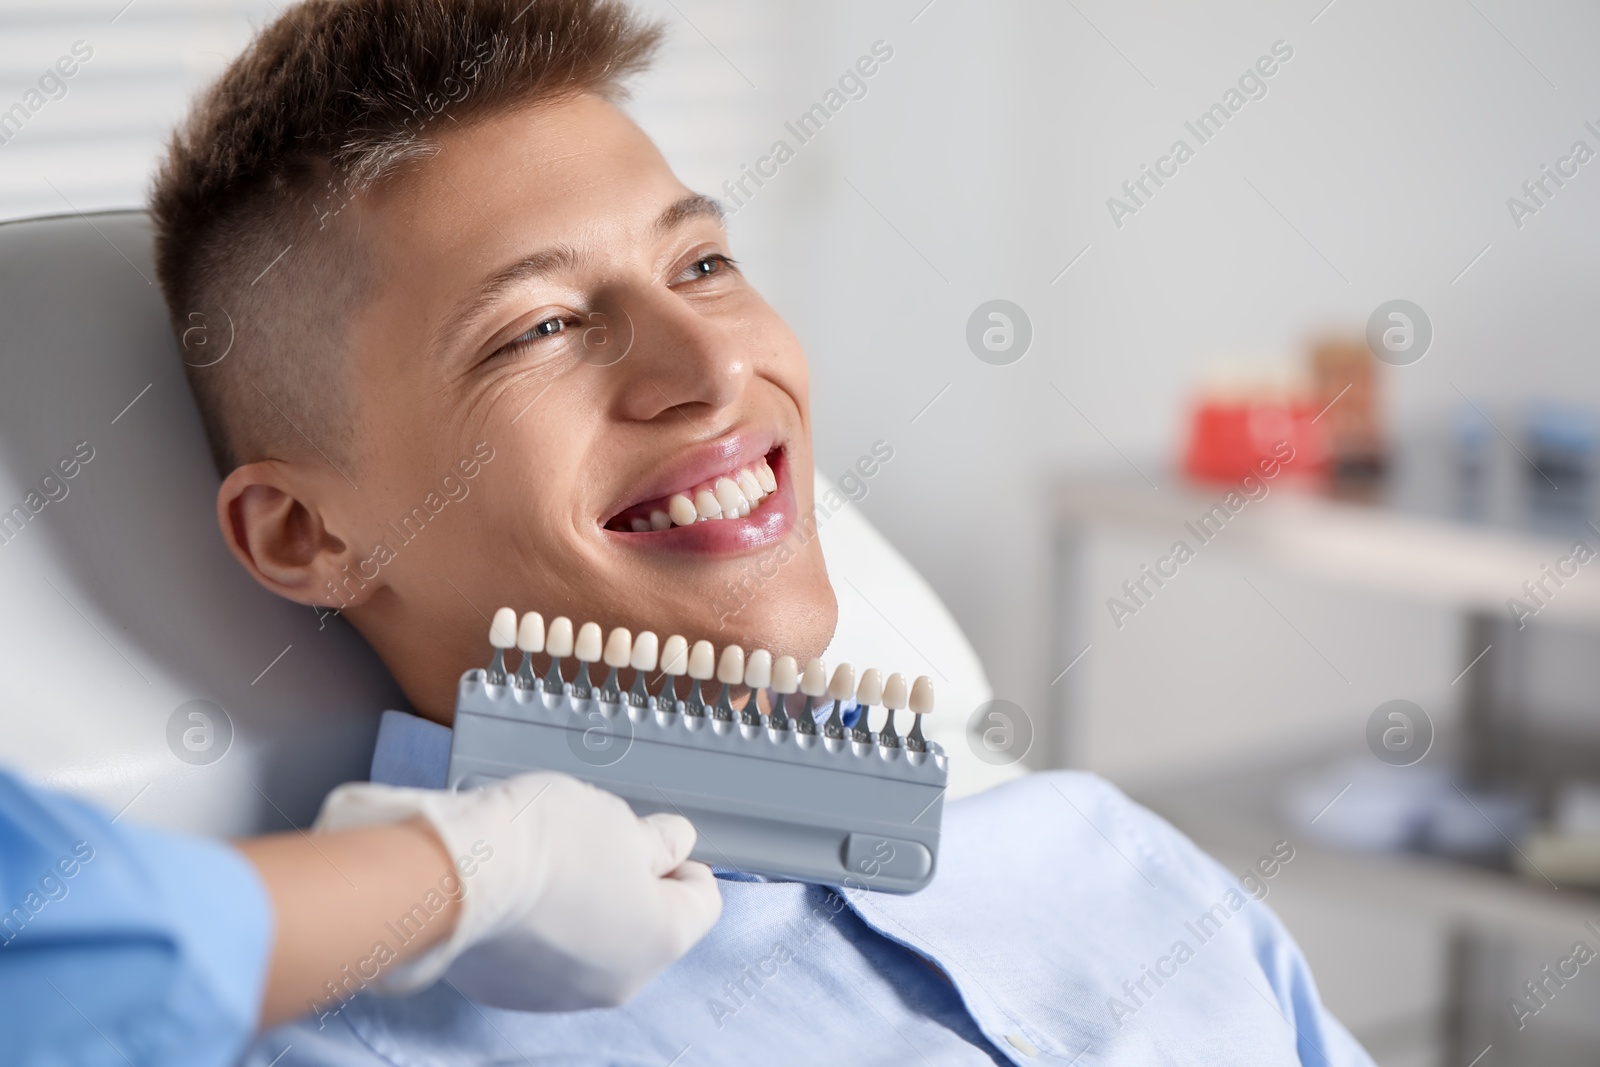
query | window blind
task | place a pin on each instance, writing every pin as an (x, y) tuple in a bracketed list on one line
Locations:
[(89, 90)]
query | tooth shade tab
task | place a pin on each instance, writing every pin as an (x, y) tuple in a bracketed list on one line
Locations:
[(730, 667), (702, 661), (675, 655), (894, 692), (681, 510), (587, 647), (706, 506), (530, 632), (814, 681), (503, 630), (558, 639), (645, 650), (869, 691), (922, 695), (765, 477), (843, 686), (619, 646), (785, 675), (758, 669)]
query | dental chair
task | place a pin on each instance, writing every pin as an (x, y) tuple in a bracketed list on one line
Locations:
[(141, 668)]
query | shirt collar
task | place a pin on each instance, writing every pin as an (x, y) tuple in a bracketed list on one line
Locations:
[(411, 751)]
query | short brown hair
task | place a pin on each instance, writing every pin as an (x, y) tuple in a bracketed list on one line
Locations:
[(330, 98)]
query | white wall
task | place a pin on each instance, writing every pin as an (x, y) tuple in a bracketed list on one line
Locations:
[(1390, 142)]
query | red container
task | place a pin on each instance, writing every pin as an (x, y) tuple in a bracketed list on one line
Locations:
[(1230, 438)]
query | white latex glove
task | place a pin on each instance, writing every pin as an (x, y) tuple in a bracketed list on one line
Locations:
[(579, 904)]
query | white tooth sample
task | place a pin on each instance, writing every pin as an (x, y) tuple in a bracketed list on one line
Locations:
[(758, 669), (587, 647), (706, 506), (764, 475), (749, 486), (814, 680), (785, 675), (730, 668), (681, 510), (675, 655), (645, 648), (869, 691), (558, 640), (530, 632), (619, 646), (503, 630), (922, 695), (843, 686), (660, 520), (894, 692), (702, 661), (729, 499), (640, 525)]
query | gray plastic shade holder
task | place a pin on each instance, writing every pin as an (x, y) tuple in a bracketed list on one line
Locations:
[(776, 802)]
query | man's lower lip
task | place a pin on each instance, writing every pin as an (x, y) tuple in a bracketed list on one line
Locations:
[(767, 525)]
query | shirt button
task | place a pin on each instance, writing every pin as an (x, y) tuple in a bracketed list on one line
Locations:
[(1021, 1044)]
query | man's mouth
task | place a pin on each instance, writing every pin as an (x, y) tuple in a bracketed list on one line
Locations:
[(736, 493)]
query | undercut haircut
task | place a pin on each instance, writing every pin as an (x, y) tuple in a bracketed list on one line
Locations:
[(330, 99)]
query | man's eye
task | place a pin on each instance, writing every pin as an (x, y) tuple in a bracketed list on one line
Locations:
[(706, 266), (543, 329), (547, 328)]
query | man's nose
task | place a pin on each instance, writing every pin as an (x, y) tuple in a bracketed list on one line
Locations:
[(682, 357)]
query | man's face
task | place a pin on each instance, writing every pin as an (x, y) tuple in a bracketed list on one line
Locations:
[(552, 297)]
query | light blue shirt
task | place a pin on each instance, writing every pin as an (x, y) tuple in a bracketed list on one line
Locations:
[(1067, 925), (120, 944)]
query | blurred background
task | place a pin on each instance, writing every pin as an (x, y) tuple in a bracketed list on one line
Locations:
[(1338, 345)]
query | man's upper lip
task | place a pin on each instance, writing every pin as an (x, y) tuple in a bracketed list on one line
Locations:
[(697, 463)]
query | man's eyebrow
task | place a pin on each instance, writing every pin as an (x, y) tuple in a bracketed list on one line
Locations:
[(546, 261), (693, 206)]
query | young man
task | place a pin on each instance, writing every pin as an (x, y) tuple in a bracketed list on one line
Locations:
[(447, 251)]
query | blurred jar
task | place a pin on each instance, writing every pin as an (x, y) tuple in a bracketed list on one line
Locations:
[(1242, 417)]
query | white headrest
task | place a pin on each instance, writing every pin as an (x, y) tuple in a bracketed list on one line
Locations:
[(122, 607)]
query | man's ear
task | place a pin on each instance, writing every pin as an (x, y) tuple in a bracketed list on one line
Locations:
[(276, 522)]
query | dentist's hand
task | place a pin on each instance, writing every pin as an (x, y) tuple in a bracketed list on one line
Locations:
[(572, 901)]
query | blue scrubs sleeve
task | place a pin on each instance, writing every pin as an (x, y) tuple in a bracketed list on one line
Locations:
[(121, 944)]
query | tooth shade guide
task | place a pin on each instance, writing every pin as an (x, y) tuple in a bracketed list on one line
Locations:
[(754, 686), (499, 731)]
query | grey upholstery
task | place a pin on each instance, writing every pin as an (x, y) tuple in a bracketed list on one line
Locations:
[(121, 602)]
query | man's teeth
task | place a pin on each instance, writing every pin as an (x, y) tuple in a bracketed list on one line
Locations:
[(729, 497), (680, 510)]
